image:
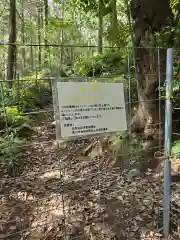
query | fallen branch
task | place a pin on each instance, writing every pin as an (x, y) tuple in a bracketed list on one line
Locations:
[(89, 147)]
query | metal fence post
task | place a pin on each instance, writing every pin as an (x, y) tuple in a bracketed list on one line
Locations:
[(168, 143)]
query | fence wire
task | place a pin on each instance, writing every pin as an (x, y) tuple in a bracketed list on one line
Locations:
[(72, 190)]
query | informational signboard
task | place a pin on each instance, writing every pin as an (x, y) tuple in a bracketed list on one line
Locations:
[(89, 108)]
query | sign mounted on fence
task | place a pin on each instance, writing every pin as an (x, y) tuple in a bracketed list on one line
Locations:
[(89, 108)]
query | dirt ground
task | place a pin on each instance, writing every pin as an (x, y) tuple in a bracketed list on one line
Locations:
[(78, 191)]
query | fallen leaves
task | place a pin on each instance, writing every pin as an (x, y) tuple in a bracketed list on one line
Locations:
[(64, 193)]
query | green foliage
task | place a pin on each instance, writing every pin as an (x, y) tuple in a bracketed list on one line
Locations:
[(175, 5), (108, 63), (27, 95), (11, 153), (33, 97), (176, 83), (93, 6), (100, 65), (15, 117), (118, 36), (14, 122), (176, 148)]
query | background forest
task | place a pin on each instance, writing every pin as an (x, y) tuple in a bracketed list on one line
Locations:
[(43, 39), (105, 188)]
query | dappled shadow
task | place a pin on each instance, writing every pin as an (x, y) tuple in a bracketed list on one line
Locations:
[(64, 195)]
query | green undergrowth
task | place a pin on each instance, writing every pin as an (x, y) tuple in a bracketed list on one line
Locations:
[(111, 65), (27, 94), (175, 152), (31, 95), (11, 154), (16, 119), (101, 64)]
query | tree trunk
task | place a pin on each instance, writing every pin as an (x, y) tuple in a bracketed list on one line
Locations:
[(62, 36), (149, 17), (114, 23), (31, 49), (39, 36), (100, 27), (22, 34), (45, 30), (12, 40)]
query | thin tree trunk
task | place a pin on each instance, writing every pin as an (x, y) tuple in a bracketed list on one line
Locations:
[(149, 17), (45, 30), (31, 51), (39, 37), (12, 40), (62, 37), (100, 27), (22, 33)]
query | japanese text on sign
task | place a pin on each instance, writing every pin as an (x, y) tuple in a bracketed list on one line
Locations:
[(88, 108)]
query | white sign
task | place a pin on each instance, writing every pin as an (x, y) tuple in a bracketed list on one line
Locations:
[(88, 108)]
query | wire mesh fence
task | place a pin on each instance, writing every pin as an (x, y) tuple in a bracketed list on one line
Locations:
[(98, 187)]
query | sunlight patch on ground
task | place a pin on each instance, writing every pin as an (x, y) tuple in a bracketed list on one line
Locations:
[(150, 235), (51, 174)]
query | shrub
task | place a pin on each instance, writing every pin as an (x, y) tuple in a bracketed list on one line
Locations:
[(28, 94), (15, 117), (176, 83), (109, 63), (24, 97), (8, 96), (11, 120), (99, 65), (33, 97), (13, 108), (11, 153)]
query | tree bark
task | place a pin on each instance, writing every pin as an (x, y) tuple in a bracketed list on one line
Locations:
[(31, 49), (39, 35), (45, 30), (114, 23), (23, 34), (149, 17), (100, 27), (12, 40)]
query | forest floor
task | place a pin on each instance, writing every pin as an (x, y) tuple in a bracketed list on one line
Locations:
[(79, 191)]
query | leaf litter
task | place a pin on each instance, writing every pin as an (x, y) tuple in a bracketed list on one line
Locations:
[(74, 192)]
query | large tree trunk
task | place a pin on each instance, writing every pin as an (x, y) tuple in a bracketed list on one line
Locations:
[(114, 23), (12, 40), (100, 26), (149, 17)]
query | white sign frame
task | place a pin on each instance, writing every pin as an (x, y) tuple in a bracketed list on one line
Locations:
[(57, 110)]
